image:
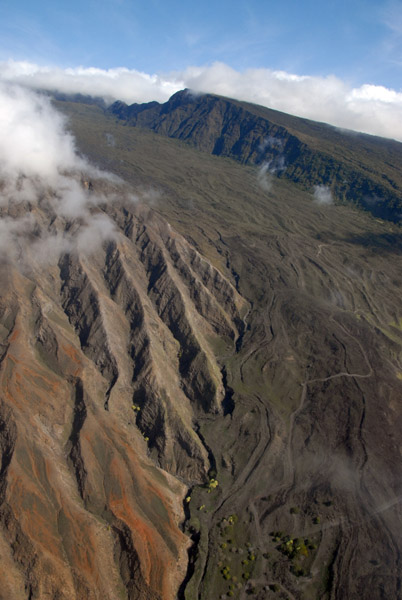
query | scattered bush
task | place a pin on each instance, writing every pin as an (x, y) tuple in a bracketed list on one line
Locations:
[(292, 548), (226, 572), (212, 484)]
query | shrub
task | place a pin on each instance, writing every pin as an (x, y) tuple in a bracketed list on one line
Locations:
[(212, 484)]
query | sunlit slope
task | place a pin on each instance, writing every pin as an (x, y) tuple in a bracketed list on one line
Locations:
[(107, 358)]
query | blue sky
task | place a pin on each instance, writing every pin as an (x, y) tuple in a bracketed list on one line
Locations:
[(356, 40), (338, 61)]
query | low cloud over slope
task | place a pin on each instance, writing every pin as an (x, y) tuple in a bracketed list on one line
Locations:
[(39, 164)]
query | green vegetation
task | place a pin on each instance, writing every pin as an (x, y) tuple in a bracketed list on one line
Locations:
[(212, 484), (294, 548)]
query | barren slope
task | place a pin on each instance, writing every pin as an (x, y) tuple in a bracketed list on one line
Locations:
[(106, 363), (308, 454), (229, 334)]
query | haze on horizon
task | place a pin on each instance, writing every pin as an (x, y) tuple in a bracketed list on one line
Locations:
[(338, 62)]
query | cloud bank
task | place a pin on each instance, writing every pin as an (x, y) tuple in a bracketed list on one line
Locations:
[(39, 166), (369, 108)]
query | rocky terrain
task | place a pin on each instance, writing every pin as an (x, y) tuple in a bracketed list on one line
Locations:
[(107, 360), (209, 404)]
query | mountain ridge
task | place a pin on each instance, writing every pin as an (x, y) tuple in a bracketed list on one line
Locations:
[(298, 149)]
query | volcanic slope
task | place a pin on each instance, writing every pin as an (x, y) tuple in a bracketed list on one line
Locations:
[(106, 362), (307, 450), (227, 333)]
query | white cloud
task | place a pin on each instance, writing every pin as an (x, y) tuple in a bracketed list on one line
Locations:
[(322, 195), (98, 230), (271, 167), (12, 234), (33, 140), (112, 84), (38, 165), (264, 178), (369, 108)]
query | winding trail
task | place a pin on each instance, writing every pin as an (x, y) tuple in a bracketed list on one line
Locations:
[(289, 479), (268, 442)]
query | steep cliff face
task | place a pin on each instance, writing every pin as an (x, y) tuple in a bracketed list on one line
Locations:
[(304, 152), (106, 363)]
